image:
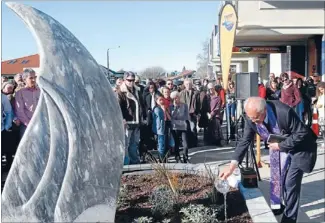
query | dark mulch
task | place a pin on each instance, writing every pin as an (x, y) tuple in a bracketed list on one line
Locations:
[(193, 190)]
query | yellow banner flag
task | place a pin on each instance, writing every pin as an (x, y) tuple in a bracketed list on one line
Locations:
[(227, 32)]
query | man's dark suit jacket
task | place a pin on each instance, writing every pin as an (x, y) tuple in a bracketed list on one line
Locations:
[(301, 141)]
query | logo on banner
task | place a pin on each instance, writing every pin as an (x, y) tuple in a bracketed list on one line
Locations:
[(229, 21)]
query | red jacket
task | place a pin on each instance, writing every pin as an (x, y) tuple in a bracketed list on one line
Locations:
[(262, 91), (222, 96)]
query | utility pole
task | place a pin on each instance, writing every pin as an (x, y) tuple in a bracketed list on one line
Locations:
[(108, 60)]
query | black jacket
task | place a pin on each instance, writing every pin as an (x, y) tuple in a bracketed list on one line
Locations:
[(301, 142)]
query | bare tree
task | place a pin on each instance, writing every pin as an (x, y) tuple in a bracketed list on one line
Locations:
[(203, 60), (153, 72)]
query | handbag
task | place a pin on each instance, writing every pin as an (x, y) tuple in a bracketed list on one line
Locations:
[(248, 177)]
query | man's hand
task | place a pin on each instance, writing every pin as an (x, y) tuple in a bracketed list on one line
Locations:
[(17, 122), (226, 173), (274, 146)]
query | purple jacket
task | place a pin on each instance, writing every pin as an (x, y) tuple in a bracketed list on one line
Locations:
[(215, 106), (25, 104)]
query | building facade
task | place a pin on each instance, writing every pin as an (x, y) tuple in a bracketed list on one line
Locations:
[(276, 37)]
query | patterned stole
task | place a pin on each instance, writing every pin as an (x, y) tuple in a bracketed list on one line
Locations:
[(278, 160)]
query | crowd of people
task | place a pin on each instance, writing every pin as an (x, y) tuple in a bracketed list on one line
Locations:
[(19, 99), (166, 116), (162, 115)]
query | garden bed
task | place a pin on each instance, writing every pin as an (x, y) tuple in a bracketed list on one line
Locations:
[(150, 196)]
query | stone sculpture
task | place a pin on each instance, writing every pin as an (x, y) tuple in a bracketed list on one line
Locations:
[(69, 163)]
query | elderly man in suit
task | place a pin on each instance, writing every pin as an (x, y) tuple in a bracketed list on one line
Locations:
[(289, 159)]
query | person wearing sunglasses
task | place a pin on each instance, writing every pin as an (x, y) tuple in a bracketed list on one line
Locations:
[(131, 102)]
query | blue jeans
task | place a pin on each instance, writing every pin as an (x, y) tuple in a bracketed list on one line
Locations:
[(132, 138), (161, 146), (231, 110)]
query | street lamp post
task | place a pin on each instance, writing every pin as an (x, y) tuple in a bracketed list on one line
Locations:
[(108, 59)]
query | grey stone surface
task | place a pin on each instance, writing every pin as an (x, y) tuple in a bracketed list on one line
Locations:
[(257, 206), (69, 163)]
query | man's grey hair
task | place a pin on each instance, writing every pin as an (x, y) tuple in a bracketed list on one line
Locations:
[(258, 103), (174, 94), (27, 72)]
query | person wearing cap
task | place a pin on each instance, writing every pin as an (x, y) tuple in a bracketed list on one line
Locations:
[(130, 101)]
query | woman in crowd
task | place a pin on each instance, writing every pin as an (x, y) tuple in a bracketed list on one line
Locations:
[(290, 94), (19, 82), (169, 141), (215, 117), (6, 133), (231, 102), (158, 126), (320, 105), (8, 90), (180, 118), (203, 120), (301, 106), (231, 108), (273, 92)]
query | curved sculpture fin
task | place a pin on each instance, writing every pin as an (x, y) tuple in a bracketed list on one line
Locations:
[(71, 157)]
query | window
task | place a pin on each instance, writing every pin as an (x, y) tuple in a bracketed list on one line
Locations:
[(24, 61), (12, 61)]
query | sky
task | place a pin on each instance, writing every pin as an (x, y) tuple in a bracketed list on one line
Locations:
[(164, 33)]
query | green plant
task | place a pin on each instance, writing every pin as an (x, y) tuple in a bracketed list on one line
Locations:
[(143, 219), (198, 214), (162, 201), (166, 220)]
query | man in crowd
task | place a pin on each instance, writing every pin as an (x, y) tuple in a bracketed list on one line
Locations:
[(26, 100), (190, 97), (265, 118), (130, 102)]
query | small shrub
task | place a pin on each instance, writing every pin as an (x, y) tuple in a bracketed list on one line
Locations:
[(164, 173), (198, 214), (162, 200), (166, 220), (143, 219)]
